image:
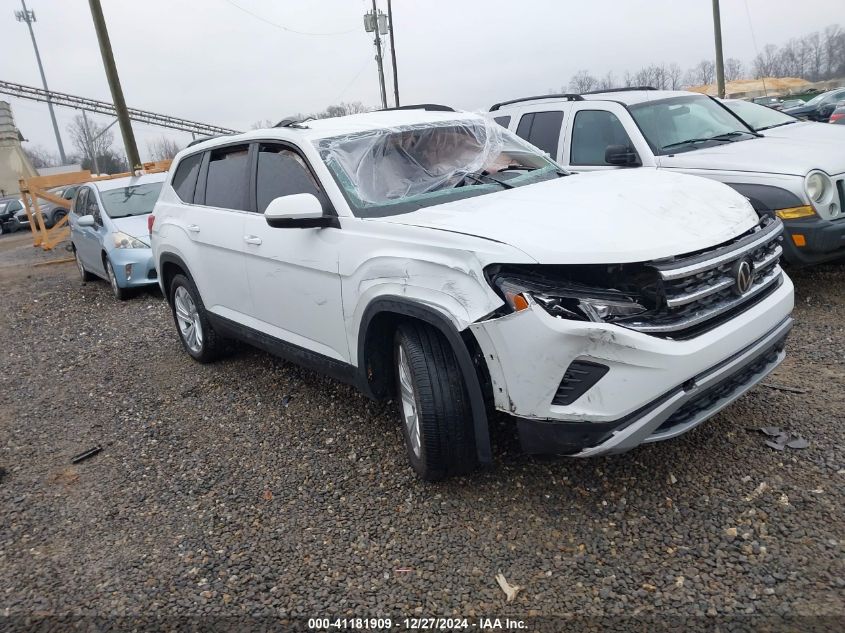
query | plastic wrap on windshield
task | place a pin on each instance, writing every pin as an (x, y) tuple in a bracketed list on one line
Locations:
[(389, 164)]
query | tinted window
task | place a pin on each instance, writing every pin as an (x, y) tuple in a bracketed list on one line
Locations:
[(14, 205), (227, 177), (592, 133), (504, 121), (281, 172), (542, 130), (185, 178)]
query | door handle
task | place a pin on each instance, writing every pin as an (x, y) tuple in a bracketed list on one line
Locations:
[(193, 228), (252, 239)]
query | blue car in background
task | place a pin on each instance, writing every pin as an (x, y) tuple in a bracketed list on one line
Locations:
[(110, 233)]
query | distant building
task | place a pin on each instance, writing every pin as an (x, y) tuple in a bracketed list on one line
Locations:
[(14, 164)]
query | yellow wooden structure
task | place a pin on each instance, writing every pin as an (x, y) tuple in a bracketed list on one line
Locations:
[(33, 189)]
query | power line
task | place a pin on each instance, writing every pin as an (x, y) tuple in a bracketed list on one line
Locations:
[(103, 107), (284, 28)]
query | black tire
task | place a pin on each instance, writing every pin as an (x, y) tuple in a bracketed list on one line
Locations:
[(446, 444), (121, 294), (58, 215), (84, 275), (211, 346)]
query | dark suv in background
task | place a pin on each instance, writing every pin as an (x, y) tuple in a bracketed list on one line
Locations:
[(820, 107)]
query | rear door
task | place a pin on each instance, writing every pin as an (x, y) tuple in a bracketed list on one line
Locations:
[(293, 273), (214, 223)]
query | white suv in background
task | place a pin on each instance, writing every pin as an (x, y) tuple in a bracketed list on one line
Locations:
[(801, 181), (434, 257)]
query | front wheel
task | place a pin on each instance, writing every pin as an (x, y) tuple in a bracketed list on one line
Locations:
[(434, 405), (198, 337), (83, 274), (121, 294)]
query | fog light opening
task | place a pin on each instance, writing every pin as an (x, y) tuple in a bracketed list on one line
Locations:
[(128, 270)]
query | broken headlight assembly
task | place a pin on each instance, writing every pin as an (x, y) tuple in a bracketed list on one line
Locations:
[(568, 300)]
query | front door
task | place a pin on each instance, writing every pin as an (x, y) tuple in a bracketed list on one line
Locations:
[(293, 273)]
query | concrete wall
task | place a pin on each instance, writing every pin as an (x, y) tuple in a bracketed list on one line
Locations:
[(14, 164)]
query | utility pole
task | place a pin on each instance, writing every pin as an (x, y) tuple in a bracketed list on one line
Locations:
[(29, 17), (379, 59), (393, 52), (720, 62), (114, 86)]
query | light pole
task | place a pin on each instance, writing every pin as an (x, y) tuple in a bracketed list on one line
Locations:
[(29, 17), (393, 53)]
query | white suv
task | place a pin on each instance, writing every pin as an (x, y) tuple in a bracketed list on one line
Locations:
[(435, 257), (799, 180)]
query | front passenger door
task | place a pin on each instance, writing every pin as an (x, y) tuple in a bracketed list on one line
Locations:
[(293, 272)]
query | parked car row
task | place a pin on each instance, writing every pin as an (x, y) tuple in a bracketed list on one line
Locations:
[(462, 263)]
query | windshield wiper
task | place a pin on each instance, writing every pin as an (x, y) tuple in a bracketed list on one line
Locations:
[(769, 127), (728, 137), (479, 179)]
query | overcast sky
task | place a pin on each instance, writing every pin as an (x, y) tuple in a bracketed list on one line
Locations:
[(210, 61)]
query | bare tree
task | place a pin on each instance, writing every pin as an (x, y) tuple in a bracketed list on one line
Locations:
[(40, 157), (162, 148), (674, 76), (607, 82), (734, 69), (262, 124), (343, 109), (582, 81), (834, 51), (702, 74), (766, 62), (93, 138)]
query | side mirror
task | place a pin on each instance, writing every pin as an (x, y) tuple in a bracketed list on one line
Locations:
[(86, 220), (621, 155), (298, 211)]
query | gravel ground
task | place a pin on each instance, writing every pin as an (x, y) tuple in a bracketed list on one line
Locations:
[(253, 488)]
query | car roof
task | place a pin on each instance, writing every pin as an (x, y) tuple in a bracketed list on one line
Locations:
[(626, 96), (128, 181), (316, 129)]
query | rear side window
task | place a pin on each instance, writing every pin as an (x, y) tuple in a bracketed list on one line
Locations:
[(226, 184), (14, 205), (592, 133), (185, 178), (542, 130), (504, 121), (281, 172)]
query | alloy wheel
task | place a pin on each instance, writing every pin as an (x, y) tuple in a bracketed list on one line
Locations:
[(188, 319), (408, 395)]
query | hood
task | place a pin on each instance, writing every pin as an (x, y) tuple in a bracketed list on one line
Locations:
[(134, 225), (809, 131), (600, 217), (768, 154)]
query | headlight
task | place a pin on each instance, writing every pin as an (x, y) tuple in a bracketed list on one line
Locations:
[(570, 301), (122, 240), (818, 186)]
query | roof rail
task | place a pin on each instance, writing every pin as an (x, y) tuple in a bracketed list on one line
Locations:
[(290, 123), (626, 89), (567, 96), (428, 107), (202, 139)]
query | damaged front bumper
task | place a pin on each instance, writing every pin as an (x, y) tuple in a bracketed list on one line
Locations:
[(652, 389)]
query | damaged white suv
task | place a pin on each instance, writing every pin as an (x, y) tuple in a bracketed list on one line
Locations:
[(435, 257)]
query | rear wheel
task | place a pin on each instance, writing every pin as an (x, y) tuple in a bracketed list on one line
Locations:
[(434, 405), (58, 215), (195, 331)]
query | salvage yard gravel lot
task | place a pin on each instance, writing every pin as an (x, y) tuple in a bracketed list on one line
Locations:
[(251, 487)]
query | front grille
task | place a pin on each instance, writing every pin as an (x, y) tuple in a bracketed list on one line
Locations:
[(709, 398), (701, 290)]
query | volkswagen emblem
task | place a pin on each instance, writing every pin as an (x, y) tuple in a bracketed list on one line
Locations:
[(744, 275)]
